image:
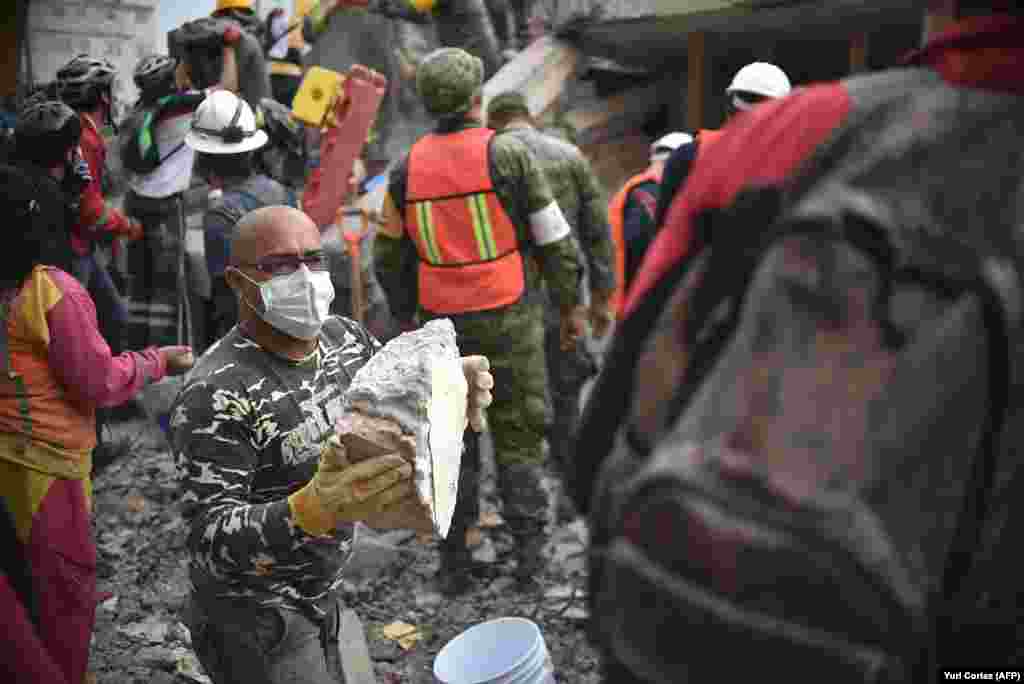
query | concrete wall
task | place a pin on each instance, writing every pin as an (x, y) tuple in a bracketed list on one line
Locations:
[(122, 31)]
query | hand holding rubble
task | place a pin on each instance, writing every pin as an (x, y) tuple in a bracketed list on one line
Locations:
[(478, 376), (573, 325), (342, 491), (601, 314)]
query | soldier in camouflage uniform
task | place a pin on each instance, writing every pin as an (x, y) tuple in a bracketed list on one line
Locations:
[(512, 205), (579, 195)]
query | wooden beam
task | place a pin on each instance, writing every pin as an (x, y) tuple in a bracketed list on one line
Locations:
[(696, 88), (859, 53)]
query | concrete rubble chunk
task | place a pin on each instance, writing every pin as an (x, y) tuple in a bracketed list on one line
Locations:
[(411, 398)]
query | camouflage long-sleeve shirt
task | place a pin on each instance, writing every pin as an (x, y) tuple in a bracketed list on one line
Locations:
[(246, 432), (523, 190), (578, 192)]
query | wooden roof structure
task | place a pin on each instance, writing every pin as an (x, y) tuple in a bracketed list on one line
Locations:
[(707, 40)]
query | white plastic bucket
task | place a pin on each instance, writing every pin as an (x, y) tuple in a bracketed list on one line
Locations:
[(502, 651)]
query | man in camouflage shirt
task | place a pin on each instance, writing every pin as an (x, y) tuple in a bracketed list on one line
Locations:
[(513, 215), (269, 496), (580, 197)]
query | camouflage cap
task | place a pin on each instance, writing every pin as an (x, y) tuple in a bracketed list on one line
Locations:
[(508, 102), (447, 79)]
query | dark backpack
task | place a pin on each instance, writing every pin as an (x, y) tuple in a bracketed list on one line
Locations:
[(199, 44), (128, 143), (128, 138), (818, 443)]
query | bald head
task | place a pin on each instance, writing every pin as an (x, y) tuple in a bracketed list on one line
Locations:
[(273, 230)]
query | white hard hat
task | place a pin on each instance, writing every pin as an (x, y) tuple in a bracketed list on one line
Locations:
[(761, 78), (224, 124), (665, 145)]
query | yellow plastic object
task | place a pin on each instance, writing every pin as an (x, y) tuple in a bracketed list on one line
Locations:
[(316, 95), (233, 4)]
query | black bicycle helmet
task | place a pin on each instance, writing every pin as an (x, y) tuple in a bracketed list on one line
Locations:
[(45, 92), (155, 73), (82, 80), (45, 132)]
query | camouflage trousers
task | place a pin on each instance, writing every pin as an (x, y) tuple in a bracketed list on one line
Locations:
[(513, 340), (568, 371)]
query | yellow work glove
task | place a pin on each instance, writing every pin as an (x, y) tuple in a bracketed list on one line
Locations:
[(345, 492)]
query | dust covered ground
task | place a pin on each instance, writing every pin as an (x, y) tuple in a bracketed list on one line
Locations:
[(143, 582)]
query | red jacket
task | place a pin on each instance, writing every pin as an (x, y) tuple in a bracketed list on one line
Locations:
[(94, 216), (766, 145)]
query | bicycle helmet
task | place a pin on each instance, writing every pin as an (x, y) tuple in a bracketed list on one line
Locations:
[(155, 73), (82, 80), (45, 132), (46, 92)]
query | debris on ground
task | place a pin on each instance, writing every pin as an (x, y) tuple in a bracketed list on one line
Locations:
[(143, 583)]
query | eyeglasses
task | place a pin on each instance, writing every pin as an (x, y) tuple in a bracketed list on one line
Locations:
[(286, 264)]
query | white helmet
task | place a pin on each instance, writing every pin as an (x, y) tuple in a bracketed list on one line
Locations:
[(224, 124), (761, 78), (665, 145)]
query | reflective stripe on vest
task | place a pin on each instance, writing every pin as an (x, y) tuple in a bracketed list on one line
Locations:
[(467, 244), (617, 219)]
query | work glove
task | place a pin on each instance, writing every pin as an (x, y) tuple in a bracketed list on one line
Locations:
[(478, 376), (177, 360), (573, 325), (346, 492), (601, 314)]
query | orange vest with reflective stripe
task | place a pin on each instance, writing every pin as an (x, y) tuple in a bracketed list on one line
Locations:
[(468, 248), (616, 218)]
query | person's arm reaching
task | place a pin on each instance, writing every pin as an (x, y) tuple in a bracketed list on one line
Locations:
[(556, 250), (81, 358), (216, 435), (394, 262), (95, 215), (595, 236)]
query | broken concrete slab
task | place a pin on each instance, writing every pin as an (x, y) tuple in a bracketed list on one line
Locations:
[(540, 73), (415, 381), (486, 552), (428, 599), (152, 629), (370, 557)]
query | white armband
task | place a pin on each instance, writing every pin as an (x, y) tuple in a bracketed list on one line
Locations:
[(548, 225)]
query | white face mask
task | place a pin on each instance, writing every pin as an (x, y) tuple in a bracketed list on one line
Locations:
[(297, 304)]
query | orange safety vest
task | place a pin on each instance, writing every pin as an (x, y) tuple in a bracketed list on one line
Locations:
[(616, 209), (40, 427), (617, 220), (470, 259)]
